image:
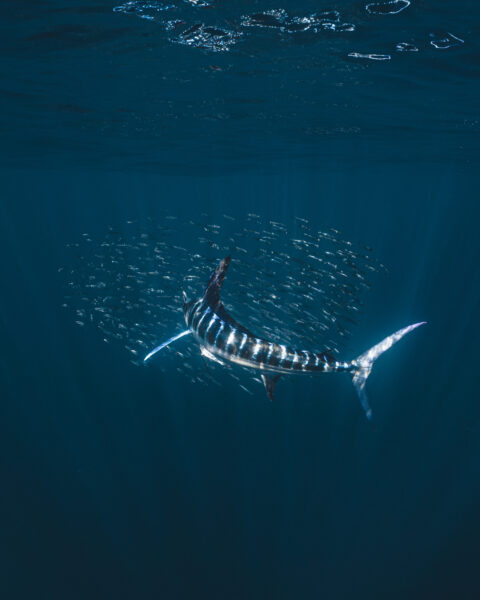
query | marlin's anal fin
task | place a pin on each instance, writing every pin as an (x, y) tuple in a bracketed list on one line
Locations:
[(270, 381)]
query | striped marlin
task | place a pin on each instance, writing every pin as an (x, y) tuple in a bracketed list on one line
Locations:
[(222, 339)]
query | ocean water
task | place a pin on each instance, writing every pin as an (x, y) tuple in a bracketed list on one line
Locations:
[(141, 141)]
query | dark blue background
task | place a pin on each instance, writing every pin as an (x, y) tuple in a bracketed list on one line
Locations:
[(120, 482)]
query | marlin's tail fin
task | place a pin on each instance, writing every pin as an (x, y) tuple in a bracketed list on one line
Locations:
[(363, 364)]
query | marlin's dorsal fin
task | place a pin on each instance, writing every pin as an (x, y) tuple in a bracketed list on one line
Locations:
[(327, 356), (214, 285), (212, 296), (270, 382)]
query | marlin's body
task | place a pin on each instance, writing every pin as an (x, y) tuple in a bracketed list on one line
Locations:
[(222, 339)]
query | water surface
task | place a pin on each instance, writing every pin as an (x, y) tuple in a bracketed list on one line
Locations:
[(130, 482)]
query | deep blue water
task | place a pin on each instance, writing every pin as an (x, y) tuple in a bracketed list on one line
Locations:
[(126, 482)]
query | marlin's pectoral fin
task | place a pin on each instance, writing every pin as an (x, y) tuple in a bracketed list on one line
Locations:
[(207, 354), (270, 382)]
